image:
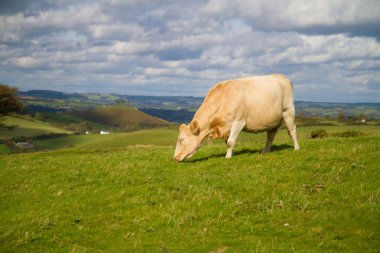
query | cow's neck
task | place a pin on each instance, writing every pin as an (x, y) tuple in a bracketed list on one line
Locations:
[(204, 116)]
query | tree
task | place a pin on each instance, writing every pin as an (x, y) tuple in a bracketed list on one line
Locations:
[(84, 126), (120, 101), (80, 128), (9, 101)]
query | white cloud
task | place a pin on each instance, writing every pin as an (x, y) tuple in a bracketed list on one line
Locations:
[(321, 49), (287, 15), (116, 31), (27, 62)]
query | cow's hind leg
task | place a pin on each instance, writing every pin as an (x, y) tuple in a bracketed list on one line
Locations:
[(236, 128), (289, 122), (270, 137)]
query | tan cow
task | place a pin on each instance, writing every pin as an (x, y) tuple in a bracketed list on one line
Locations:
[(252, 104)]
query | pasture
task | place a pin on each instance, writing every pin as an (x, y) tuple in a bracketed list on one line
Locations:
[(28, 128), (124, 193)]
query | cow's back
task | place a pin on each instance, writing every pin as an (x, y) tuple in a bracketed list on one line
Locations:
[(257, 100)]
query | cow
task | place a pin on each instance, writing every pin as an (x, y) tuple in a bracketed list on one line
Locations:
[(252, 104)]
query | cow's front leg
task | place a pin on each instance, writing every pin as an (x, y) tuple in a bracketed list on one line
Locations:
[(236, 128)]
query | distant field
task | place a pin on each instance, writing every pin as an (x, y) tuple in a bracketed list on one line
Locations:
[(159, 137), (113, 194), (28, 128), (332, 109), (4, 149)]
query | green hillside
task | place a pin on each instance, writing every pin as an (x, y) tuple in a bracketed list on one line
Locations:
[(112, 195), (159, 137), (173, 108), (64, 119), (28, 127), (128, 118)]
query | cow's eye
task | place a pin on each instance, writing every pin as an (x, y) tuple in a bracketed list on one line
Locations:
[(180, 140)]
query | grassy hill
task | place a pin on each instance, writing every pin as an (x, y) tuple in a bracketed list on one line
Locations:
[(28, 127), (112, 195), (64, 119), (52, 123), (25, 128), (157, 137), (120, 116), (172, 108)]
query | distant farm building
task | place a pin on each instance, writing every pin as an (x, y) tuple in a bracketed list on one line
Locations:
[(104, 132)]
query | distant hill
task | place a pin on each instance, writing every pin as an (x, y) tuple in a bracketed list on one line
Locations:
[(173, 108), (178, 116), (49, 94), (123, 117), (165, 102), (332, 109), (27, 126)]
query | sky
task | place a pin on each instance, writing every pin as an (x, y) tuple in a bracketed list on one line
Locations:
[(330, 49)]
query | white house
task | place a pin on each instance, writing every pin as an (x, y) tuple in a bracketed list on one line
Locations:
[(104, 132)]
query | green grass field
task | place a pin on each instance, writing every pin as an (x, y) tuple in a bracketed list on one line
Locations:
[(124, 193), (157, 137), (63, 119), (28, 128)]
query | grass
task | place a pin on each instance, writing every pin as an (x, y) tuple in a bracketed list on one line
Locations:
[(133, 198), (120, 116), (4, 149), (64, 119), (28, 128), (157, 137)]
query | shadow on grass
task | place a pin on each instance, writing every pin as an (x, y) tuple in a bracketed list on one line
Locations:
[(274, 148)]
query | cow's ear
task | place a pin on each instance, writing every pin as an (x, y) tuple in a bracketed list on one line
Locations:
[(194, 127)]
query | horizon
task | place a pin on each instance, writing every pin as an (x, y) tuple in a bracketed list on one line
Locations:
[(189, 96), (329, 49)]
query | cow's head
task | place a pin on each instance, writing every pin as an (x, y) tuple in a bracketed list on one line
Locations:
[(188, 141)]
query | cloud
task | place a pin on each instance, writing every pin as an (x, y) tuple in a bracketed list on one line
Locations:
[(330, 49), (311, 17)]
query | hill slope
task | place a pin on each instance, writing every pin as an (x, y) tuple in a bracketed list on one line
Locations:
[(127, 118), (174, 109), (28, 128)]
